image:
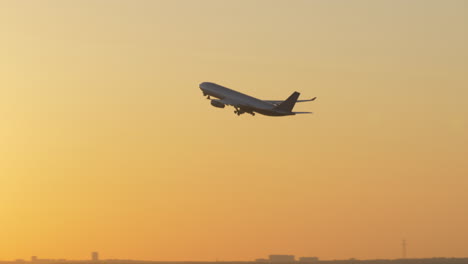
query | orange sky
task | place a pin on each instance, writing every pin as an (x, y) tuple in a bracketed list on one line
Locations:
[(108, 145)]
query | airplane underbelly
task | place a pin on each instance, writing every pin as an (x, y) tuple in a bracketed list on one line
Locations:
[(264, 111), (214, 94), (271, 112)]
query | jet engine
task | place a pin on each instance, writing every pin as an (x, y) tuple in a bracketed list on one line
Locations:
[(217, 104)]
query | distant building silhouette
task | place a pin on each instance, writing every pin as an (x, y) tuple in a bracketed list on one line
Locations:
[(281, 258), (95, 256), (308, 259), (34, 258), (268, 261)]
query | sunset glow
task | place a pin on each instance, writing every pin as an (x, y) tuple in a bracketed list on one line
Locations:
[(107, 143)]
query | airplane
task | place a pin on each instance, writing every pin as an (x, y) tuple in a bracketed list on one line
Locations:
[(248, 104)]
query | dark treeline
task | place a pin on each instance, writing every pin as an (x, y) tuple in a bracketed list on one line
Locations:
[(349, 261)]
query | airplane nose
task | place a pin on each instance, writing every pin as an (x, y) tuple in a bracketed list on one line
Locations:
[(202, 88)]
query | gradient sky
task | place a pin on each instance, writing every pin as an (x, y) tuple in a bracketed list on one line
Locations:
[(107, 143)]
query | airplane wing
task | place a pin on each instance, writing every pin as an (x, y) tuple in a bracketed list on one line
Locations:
[(228, 101), (231, 102), (277, 102)]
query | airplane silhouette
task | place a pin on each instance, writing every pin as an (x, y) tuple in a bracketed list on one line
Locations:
[(247, 104)]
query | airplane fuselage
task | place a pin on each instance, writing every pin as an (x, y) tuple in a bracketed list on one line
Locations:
[(248, 103)]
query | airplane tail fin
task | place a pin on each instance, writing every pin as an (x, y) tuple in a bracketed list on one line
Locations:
[(288, 105)]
